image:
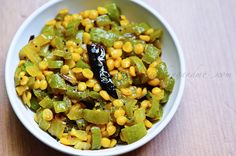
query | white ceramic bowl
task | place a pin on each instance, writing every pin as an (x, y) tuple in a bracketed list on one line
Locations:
[(135, 10)]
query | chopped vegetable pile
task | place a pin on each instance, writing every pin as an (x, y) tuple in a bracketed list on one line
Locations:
[(94, 79)]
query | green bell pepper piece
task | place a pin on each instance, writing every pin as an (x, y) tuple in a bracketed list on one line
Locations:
[(155, 108), (170, 84), (138, 63), (41, 40), (156, 35), (31, 82), (81, 135), (59, 53), (134, 133), (46, 102), (57, 128), (96, 138), (99, 35), (43, 124), (72, 93), (17, 72), (125, 82), (137, 28), (162, 71), (44, 51), (113, 11), (96, 116), (166, 97), (103, 20), (129, 106), (79, 36), (151, 53), (62, 106), (31, 53), (48, 31), (55, 64), (34, 105), (56, 82), (39, 94), (57, 42), (72, 27), (75, 112), (82, 64), (139, 115)]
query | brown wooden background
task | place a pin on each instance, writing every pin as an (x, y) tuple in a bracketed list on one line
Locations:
[(205, 123)]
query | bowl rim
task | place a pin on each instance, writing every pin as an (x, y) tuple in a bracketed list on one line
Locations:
[(132, 146)]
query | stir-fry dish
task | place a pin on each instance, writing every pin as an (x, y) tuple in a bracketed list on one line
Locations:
[(94, 79)]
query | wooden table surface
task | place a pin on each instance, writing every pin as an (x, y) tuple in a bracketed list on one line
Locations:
[(205, 123)]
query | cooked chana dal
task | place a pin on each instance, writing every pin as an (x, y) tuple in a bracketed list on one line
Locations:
[(94, 79)]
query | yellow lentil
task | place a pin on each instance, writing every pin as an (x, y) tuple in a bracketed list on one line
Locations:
[(110, 64), (104, 95), (127, 47), (87, 73), (145, 38), (82, 86), (154, 82), (118, 103), (152, 73), (121, 120), (118, 44), (139, 48), (105, 142), (65, 69), (125, 63), (132, 71), (102, 10)]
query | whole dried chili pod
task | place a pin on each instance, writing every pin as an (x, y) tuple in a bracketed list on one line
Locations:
[(97, 59)]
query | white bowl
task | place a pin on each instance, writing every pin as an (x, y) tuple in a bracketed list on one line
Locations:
[(135, 10)]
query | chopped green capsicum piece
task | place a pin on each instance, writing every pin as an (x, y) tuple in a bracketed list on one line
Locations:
[(162, 71), (43, 124), (96, 138), (96, 116), (151, 53), (75, 112), (55, 64), (113, 11), (138, 63), (103, 20), (58, 42), (129, 106), (41, 40), (62, 106), (99, 35), (57, 128), (31, 53), (82, 64), (56, 82), (134, 133), (39, 94), (137, 28), (170, 84), (46, 102), (156, 35), (139, 115), (72, 27), (49, 31), (34, 105), (155, 108), (79, 37), (126, 80)]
